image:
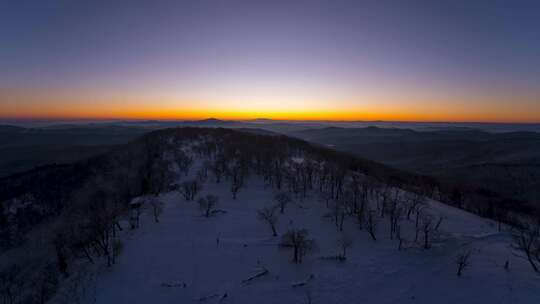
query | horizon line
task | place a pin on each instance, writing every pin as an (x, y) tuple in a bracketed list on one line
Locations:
[(113, 119)]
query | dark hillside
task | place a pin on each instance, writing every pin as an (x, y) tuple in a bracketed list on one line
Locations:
[(78, 208)]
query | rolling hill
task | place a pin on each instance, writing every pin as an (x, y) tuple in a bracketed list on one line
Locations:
[(188, 214), (503, 163)]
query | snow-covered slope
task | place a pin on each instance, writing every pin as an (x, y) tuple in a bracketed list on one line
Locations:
[(232, 257), (188, 258)]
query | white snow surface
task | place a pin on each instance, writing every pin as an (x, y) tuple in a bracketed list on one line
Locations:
[(179, 259)]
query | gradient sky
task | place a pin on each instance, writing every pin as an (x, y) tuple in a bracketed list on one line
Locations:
[(340, 60)]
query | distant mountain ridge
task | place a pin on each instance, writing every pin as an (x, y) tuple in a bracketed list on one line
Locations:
[(504, 163)]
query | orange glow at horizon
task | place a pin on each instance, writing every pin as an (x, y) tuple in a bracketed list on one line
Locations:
[(195, 114), (67, 107)]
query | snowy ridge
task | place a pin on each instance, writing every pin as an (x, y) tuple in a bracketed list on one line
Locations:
[(232, 257)]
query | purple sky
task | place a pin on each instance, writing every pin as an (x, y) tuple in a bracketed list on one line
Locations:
[(276, 56)]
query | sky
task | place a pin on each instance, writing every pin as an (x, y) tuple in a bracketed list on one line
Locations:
[(333, 60)]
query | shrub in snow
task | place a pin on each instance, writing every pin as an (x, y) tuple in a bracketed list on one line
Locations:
[(300, 243), (208, 204)]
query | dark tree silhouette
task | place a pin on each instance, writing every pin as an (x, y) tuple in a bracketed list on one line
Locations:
[(463, 262), (527, 242), (300, 243), (269, 216), (208, 204), (372, 223), (189, 189), (282, 199), (344, 242)]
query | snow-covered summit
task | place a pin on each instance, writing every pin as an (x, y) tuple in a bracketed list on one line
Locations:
[(210, 238)]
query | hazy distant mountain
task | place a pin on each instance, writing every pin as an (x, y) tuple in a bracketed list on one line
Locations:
[(258, 131), (212, 122), (506, 163), (25, 148), (10, 129), (449, 151), (429, 152), (68, 135)]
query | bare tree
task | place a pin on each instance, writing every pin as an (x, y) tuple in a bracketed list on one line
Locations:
[(414, 203), (157, 207), (325, 197), (93, 222), (371, 223), (360, 203), (399, 237), (269, 215), (527, 242), (463, 262), (218, 169), (80, 286), (202, 175), (385, 197), (419, 210), (189, 189), (309, 298), (117, 248), (282, 199), (135, 213), (500, 216), (300, 243), (396, 213), (60, 244), (338, 214), (208, 204), (183, 161), (237, 180), (427, 228), (439, 222), (45, 283), (344, 242), (11, 286), (160, 176)]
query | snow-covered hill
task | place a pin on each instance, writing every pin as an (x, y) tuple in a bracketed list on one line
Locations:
[(232, 257)]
